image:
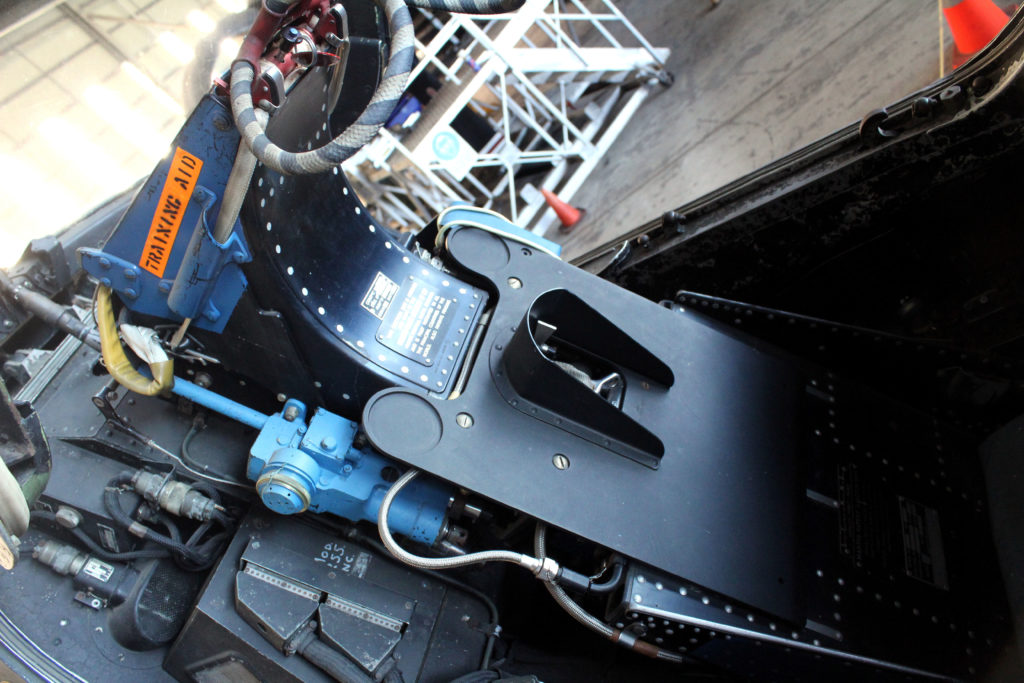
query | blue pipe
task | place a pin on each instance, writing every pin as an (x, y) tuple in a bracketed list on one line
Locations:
[(218, 403)]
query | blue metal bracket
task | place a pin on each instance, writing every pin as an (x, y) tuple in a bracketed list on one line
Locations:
[(208, 282), (196, 277), (198, 290)]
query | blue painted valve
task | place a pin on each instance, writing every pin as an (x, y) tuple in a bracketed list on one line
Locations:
[(299, 467)]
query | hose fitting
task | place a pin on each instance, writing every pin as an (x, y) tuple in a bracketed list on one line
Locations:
[(544, 568)]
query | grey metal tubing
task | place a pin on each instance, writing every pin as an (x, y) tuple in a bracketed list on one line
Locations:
[(50, 312), (14, 511), (234, 191)]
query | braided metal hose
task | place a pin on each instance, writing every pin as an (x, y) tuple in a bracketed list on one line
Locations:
[(377, 112), (562, 598), (469, 6), (574, 610), (352, 138), (534, 565)]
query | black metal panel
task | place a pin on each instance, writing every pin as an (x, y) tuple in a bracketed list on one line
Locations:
[(900, 580), (902, 558), (437, 645), (346, 287), (963, 387), (353, 284), (722, 509)]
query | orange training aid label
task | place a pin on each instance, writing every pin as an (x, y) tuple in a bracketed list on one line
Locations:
[(178, 188)]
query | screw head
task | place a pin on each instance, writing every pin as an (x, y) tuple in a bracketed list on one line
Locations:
[(464, 420), (515, 283), (560, 461)]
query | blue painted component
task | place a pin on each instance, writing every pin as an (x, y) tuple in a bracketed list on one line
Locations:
[(298, 467), (466, 214), (124, 277), (287, 482), (218, 403), (210, 137), (205, 260)]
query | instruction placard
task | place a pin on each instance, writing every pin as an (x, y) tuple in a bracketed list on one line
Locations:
[(379, 296), (923, 553), (417, 322)]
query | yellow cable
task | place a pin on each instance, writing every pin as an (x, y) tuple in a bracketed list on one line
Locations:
[(118, 365)]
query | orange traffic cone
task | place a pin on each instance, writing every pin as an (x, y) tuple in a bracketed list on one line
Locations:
[(568, 214), (973, 23)]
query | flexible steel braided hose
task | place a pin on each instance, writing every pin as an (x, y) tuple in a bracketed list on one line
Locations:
[(383, 103), (352, 138)]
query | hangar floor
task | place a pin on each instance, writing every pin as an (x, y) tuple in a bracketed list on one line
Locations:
[(754, 81)]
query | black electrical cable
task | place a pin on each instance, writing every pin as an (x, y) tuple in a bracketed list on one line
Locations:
[(186, 457), (336, 665), (98, 550), (172, 528), (222, 519), (210, 548), (198, 534), (613, 582), (207, 549), (208, 490), (199, 557)]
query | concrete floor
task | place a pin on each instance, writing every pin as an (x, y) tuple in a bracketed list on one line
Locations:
[(754, 81)]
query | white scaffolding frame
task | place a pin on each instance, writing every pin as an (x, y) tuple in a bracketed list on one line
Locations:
[(557, 79)]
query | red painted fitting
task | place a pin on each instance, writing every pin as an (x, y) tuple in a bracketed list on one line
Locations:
[(259, 35)]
